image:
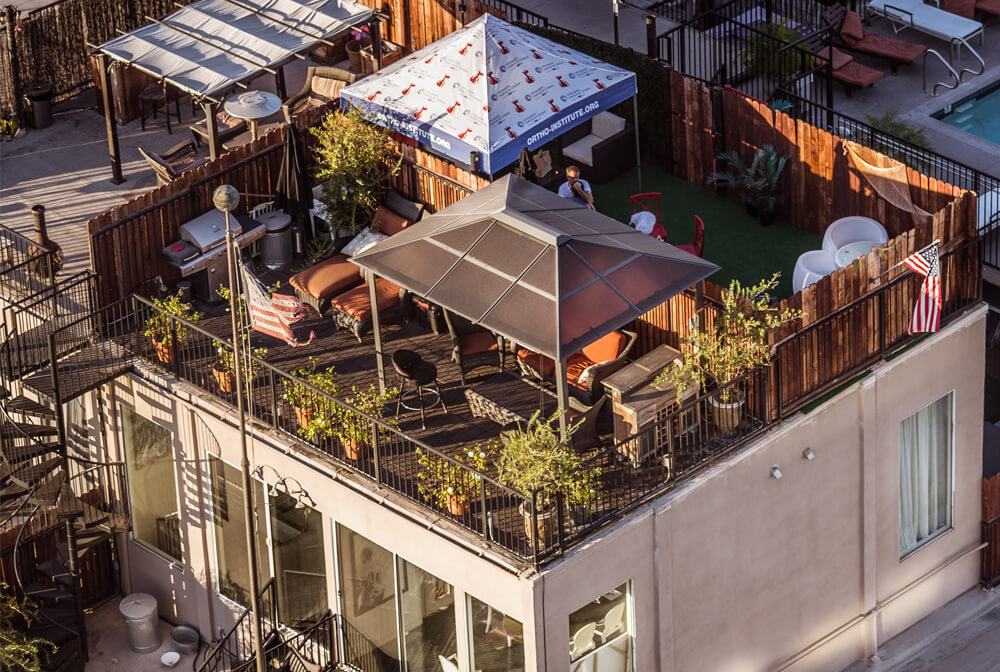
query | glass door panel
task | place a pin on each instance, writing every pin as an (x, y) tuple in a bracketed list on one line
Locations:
[(427, 608), (299, 564)]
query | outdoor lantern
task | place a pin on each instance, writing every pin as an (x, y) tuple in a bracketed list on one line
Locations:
[(226, 198)]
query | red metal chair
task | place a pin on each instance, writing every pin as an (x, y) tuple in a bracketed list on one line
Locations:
[(697, 248), (650, 202)]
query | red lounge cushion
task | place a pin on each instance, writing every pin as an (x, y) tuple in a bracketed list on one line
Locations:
[(357, 302), (327, 278), (388, 222), (989, 7), (839, 59), (966, 8), (852, 26), (606, 348), (540, 363), (858, 75), (889, 47), (481, 341)]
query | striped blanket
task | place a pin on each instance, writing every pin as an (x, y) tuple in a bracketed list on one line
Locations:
[(274, 316)]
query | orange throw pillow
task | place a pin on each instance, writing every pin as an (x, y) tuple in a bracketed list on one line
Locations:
[(852, 26), (388, 222)]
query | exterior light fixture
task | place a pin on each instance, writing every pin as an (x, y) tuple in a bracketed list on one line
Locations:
[(775, 472)]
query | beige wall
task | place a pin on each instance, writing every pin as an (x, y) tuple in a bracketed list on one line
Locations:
[(739, 571)]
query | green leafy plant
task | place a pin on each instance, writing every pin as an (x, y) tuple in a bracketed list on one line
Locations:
[(734, 345), (757, 181), (449, 483), (18, 649), (890, 122), (161, 326), (317, 416), (355, 160), (224, 355), (762, 55), (354, 429), (535, 459), (8, 125)]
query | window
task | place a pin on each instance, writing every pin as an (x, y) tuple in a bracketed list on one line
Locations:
[(427, 606), (497, 639), (368, 588), (229, 521), (925, 474), (152, 485), (600, 638), (299, 564)]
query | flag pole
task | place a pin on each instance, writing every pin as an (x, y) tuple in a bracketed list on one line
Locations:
[(937, 241)]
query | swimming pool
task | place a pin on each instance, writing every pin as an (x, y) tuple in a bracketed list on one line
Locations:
[(978, 114)]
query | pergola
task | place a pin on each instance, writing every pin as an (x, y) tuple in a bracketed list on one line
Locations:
[(535, 268), (210, 46)]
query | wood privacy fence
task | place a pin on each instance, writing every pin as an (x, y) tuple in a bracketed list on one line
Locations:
[(126, 242), (991, 529), (417, 23), (51, 43)]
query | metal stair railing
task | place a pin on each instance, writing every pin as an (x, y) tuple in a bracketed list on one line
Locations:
[(236, 647), (314, 648), (982, 63), (953, 83)]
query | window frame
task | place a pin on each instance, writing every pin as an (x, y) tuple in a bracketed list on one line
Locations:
[(944, 529)]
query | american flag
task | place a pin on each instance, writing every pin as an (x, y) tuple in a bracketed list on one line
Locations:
[(927, 311)]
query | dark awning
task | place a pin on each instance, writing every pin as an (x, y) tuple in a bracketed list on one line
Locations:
[(533, 267)]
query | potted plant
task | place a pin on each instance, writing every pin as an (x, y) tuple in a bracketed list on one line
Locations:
[(355, 431), (316, 415), (448, 483), (165, 327), (224, 368), (755, 182), (534, 459), (359, 40), (734, 345)]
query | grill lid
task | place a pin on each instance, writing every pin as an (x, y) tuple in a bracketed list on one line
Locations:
[(208, 231)]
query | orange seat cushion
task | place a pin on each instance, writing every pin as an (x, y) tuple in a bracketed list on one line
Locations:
[(357, 302), (605, 348), (481, 341), (575, 367), (540, 363), (327, 278), (388, 222)]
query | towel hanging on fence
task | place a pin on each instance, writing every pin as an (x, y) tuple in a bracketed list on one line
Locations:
[(887, 177)]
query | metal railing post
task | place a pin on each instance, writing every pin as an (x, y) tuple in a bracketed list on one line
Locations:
[(376, 452)]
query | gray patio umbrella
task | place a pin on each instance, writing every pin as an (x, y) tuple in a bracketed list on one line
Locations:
[(293, 191), (538, 269)]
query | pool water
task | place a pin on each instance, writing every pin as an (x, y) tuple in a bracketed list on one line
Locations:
[(979, 115)]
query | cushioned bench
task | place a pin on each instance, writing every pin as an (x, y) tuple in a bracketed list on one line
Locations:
[(353, 308), (320, 282)]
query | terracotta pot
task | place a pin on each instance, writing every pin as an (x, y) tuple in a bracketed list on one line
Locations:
[(546, 525), (303, 416), (164, 352), (457, 506), (354, 449), (225, 379), (354, 48), (727, 414)]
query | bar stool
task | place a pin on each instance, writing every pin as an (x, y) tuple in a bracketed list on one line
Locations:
[(416, 374), (157, 94)]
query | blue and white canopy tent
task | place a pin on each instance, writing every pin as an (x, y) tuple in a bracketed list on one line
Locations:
[(489, 88)]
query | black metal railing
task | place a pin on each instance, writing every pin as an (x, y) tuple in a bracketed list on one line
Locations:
[(678, 11), (360, 653), (26, 267), (315, 648), (237, 646), (517, 14)]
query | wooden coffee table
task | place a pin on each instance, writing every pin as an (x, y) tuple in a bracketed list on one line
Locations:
[(506, 398)]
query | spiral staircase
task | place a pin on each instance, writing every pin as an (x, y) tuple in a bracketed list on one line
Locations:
[(59, 509)]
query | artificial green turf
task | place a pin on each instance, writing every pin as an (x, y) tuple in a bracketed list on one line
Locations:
[(738, 243)]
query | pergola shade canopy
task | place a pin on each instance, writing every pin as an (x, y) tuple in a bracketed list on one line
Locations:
[(210, 45), (538, 269)]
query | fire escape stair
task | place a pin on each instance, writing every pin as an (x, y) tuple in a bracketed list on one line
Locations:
[(83, 370)]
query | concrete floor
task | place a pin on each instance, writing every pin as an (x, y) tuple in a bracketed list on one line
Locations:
[(108, 645)]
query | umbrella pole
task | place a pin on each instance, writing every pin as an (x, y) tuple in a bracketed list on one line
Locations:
[(377, 329), (562, 392), (638, 151)]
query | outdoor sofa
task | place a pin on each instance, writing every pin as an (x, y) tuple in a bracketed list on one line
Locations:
[(323, 85), (586, 369), (603, 147)]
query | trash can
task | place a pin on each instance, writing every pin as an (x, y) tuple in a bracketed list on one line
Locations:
[(139, 612), (276, 247), (38, 99)]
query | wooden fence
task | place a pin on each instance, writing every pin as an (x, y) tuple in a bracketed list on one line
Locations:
[(991, 530), (692, 155), (415, 24), (126, 242)]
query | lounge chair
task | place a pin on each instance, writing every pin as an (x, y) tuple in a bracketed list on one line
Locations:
[(169, 165), (852, 35), (586, 369), (988, 7), (473, 348), (933, 21), (227, 128), (353, 309), (851, 74), (322, 87)]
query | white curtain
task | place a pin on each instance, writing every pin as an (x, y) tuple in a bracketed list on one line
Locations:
[(925, 459)]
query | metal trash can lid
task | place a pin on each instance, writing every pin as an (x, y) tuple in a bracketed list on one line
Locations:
[(138, 606), (38, 90), (275, 221)]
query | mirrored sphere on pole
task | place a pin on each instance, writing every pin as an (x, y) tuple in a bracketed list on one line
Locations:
[(226, 198)]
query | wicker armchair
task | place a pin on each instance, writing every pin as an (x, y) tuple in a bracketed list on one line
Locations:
[(226, 127), (323, 84), (473, 349), (586, 369), (169, 165)]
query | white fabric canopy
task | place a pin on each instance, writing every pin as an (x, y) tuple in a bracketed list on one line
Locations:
[(219, 42)]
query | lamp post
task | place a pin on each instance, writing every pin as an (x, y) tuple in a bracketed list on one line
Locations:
[(226, 198), (614, 7)]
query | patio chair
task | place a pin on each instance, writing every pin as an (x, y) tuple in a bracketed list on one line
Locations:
[(473, 349), (851, 74), (169, 165), (582, 641), (603, 147), (852, 35), (353, 309), (227, 128), (928, 19), (585, 437), (586, 369), (647, 203), (988, 7), (613, 622), (154, 95), (697, 248), (322, 87)]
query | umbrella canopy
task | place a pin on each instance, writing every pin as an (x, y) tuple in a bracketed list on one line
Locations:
[(491, 88), (534, 267), (293, 193)]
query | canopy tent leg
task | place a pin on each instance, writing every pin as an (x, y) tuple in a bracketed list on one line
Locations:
[(638, 150), (377, 330), (213, 132), (109, 120), (562, 392)]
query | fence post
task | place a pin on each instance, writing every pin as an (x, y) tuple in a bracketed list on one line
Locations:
[(483, 512), (376, 453), (175, 348), (534, 527), (652, 44)]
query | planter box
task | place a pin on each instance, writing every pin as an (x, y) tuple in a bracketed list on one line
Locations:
[(331, 54), (391, 53)]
